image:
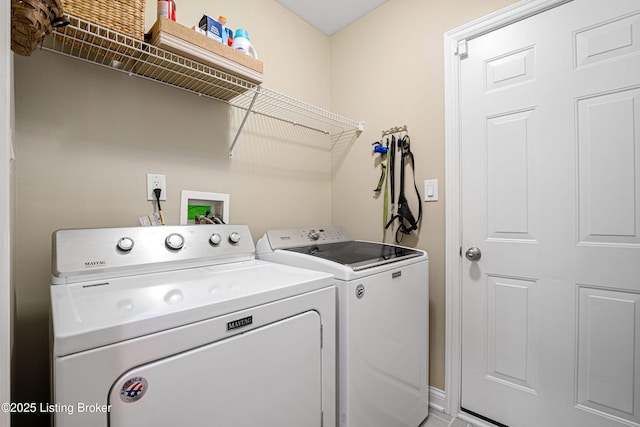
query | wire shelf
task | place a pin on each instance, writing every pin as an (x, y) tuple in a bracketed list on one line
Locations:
[(92, 43)]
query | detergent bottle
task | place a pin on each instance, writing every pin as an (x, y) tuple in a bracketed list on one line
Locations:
[(241, 43)]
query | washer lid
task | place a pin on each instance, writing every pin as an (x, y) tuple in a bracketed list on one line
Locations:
[(359, 255), (95, 313)]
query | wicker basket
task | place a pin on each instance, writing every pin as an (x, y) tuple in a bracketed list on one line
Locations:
[(123, 16), (32, 21)]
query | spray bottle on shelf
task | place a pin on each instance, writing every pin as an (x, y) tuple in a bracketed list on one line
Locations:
[(222, 20)]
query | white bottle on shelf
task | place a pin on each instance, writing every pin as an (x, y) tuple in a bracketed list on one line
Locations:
[(241, 43)]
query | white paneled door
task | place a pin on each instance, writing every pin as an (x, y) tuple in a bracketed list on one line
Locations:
[(550, 198)]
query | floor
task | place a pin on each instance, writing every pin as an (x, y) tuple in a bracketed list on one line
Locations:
[(440, 419)]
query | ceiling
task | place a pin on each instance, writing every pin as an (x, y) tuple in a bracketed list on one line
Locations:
[(330, 16)]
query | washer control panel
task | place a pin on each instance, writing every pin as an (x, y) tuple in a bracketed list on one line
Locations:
[(104, 251), (296, 237)]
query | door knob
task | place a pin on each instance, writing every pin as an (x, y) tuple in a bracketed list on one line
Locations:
[(473, 254)]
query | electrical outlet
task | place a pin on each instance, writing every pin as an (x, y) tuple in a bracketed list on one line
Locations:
[(156, 181)]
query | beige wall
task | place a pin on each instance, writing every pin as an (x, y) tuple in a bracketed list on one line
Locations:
[(388, 69), (86, 137)]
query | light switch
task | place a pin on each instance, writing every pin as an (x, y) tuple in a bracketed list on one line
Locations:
[(431, 190)]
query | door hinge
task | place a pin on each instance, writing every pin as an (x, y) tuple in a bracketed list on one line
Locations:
[(460, 251), (461, 50)]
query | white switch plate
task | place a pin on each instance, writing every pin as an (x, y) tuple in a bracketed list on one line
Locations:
[(430, 190)]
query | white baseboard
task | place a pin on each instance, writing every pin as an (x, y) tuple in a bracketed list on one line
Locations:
[(436, 399)]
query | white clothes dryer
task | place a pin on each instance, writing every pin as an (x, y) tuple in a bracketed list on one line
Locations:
[(181, 325), (383, 321)]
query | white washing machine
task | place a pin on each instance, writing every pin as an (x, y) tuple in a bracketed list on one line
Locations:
[(182, 326), (383, 321)]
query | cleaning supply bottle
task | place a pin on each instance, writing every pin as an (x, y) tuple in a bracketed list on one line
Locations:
[(167, 9), (229, 37), (163, 9), (222, 20), (241, 43)]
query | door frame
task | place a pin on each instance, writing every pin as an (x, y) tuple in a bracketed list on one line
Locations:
[(454, 51), (6, 114)]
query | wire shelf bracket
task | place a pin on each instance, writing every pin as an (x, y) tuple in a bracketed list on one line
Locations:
[(244, 120)]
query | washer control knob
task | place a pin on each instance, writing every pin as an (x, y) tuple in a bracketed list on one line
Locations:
[(234, 237), (215, 239), (174, 241), (125, 244), (314, 235)]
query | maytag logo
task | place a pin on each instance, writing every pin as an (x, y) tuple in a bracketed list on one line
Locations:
[(240, 323), (396, 274), (94, 264)]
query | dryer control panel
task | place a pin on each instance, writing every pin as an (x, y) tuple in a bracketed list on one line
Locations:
[(296, 237)]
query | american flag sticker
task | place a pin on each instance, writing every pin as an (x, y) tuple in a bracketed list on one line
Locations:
[(133, 389)]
